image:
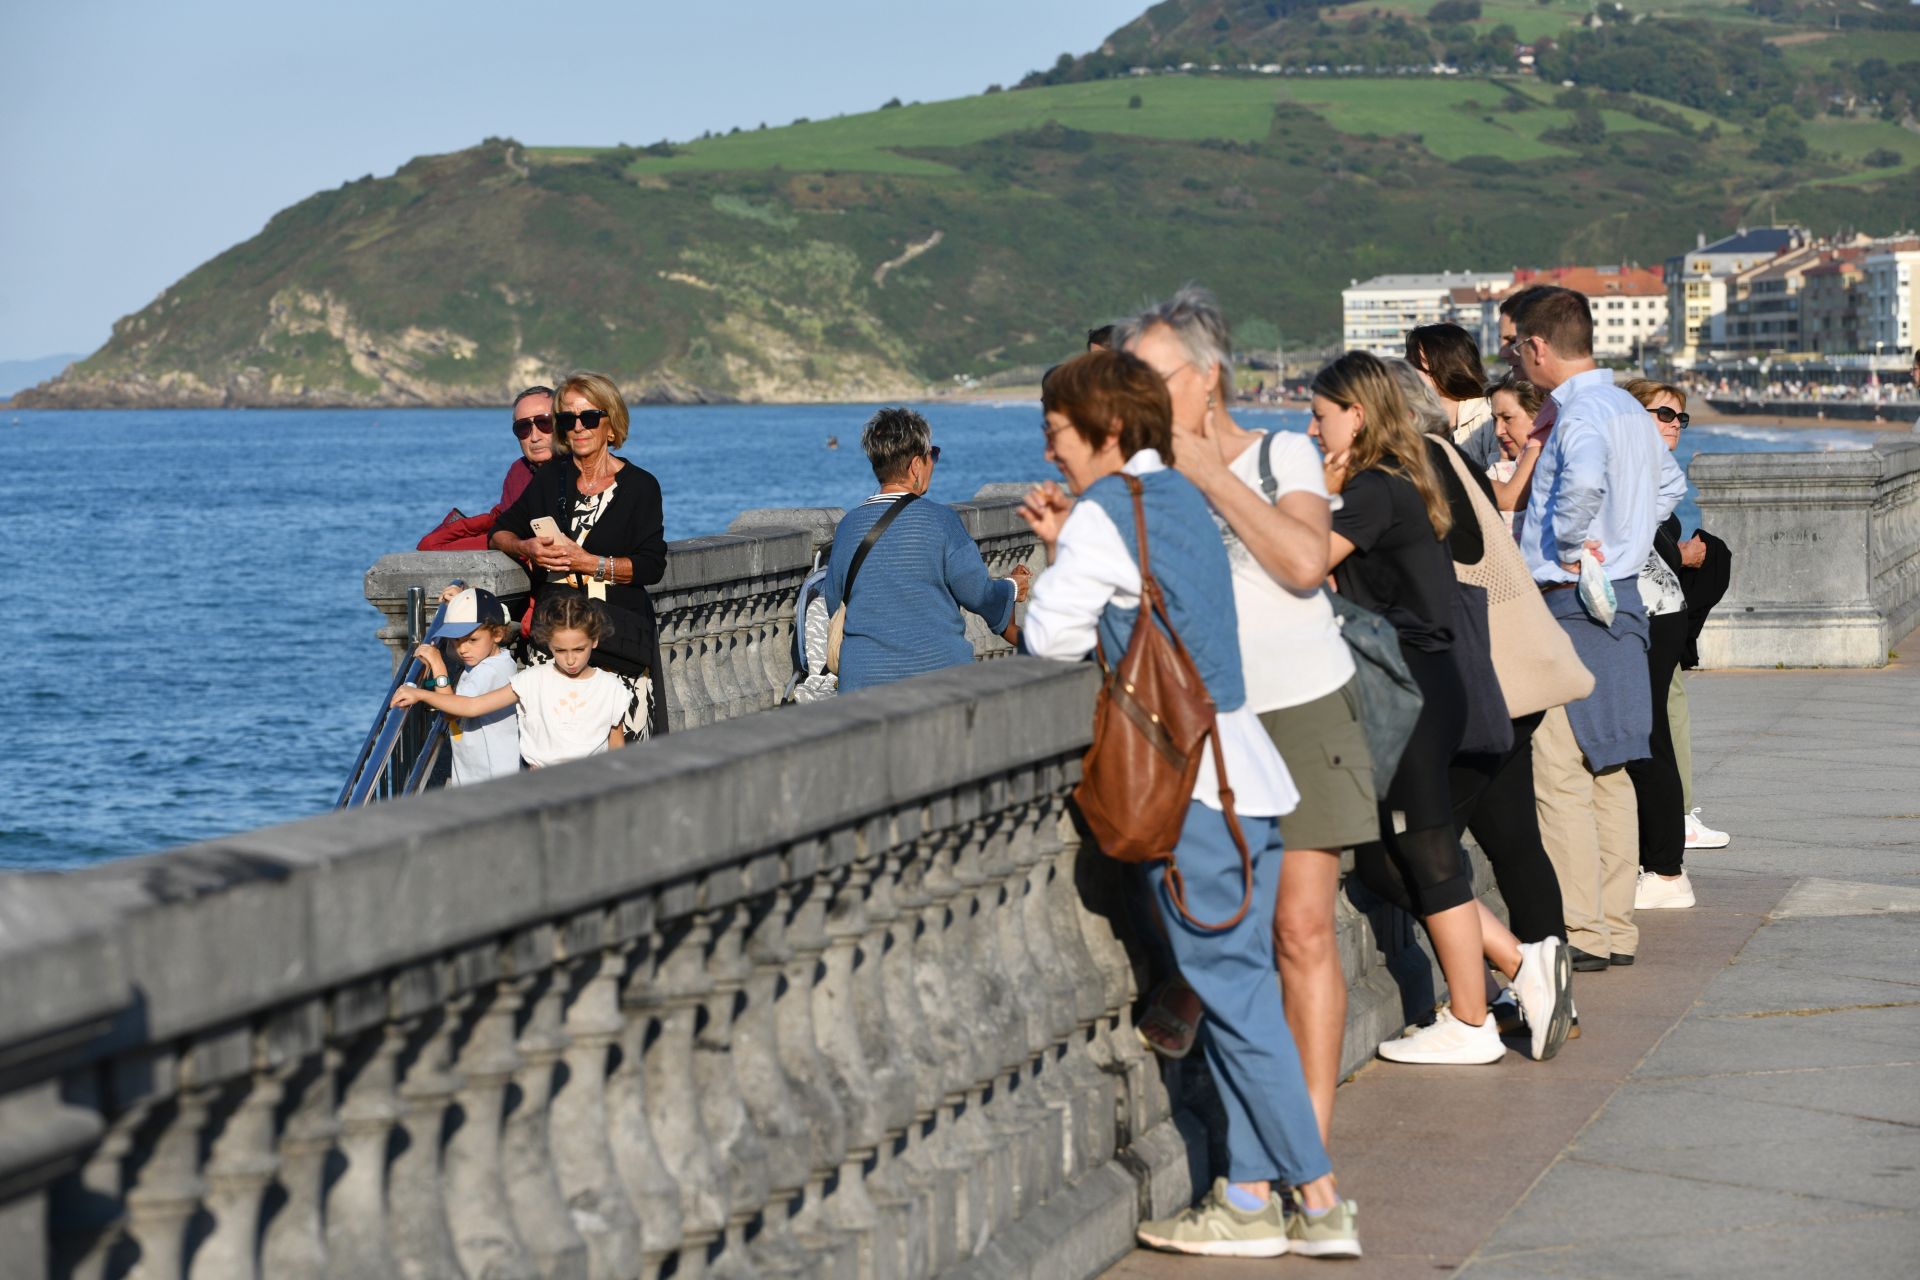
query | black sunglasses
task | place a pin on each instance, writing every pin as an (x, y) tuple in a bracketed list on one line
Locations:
[(1669, 415), (934, 453), (588, 418), (524, 427)]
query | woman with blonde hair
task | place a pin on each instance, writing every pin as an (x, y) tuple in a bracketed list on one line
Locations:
[(1390, 554), (606, 539)]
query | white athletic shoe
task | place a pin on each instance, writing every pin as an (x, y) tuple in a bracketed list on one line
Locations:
[(1544, 987), (1655, 893), (1702, 836), (1448, 1041)]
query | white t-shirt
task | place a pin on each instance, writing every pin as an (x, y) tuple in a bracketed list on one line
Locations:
[(565, 719), (1290, 646), (486, 746)]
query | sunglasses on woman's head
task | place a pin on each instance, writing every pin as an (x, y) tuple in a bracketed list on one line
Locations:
[(524, 427), (588, 419), (1673, 415)]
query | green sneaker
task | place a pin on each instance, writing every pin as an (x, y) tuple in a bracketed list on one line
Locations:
[(1215, 1229), (1333, 1234)]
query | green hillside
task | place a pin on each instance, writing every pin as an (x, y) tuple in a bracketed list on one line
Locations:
[(882, 254)]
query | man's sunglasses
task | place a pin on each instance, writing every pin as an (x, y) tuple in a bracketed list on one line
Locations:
[(524, 427), (1673, 415), (589, 419)]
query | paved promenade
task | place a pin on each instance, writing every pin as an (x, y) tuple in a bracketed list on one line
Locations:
[(1744, 1101)]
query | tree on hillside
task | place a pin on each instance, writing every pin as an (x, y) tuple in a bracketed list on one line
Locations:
[(1448, 12)]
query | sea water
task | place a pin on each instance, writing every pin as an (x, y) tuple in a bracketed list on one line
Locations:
[(188, 649)]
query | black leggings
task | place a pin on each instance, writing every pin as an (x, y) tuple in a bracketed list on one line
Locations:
[(1656, 781), (1422, 869), (1493, 798)]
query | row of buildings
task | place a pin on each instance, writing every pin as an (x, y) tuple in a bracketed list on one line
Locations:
[(1765, 292)]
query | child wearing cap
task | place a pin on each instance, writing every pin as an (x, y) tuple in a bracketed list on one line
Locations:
[(484, 746), (568, 709)]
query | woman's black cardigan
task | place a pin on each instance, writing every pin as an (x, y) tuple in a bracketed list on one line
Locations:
[(632, 526)]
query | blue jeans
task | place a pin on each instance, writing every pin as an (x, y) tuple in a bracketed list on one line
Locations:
[(1271, 1130)]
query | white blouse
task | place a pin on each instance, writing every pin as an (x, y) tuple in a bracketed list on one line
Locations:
[(1092, 568)]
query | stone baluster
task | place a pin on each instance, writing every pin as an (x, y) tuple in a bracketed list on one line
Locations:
[(86, 1210), (417, 1193), (294, 1245), (736, 651), (650, 1185), (533, 1190), (836, 1014), (774, 605), (356, 1203), (582, 1122), (239, 1170), (478, 1212), (673, 999), (1030, 1129), (706, 660), (737, 1145), (885, 1031), (167, 1188), (914, 953), (812, 1073), (676, 655), (772, 1097)]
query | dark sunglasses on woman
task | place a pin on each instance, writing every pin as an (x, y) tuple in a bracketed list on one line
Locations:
[(934, 453), (1670, 415), (587, 419), (524, 427)]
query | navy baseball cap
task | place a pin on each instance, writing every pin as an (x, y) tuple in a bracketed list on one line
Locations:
[(471, 608)]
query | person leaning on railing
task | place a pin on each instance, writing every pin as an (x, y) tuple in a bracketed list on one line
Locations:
[(903, 616), (610, 543), (533, 428), (1108, 417)]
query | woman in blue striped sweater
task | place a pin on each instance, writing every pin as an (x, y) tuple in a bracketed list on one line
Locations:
[(903, 619)]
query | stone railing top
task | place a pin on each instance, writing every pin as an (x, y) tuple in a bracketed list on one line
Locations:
[(214, 932), (1884, 461)]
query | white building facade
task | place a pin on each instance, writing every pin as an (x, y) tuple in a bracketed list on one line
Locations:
[(1376, 313), (1891, 282)]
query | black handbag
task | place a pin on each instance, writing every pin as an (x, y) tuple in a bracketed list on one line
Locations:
[(1390, 699), (628, 647), (1487, 731)]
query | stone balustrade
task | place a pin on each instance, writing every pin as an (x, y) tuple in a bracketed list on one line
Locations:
[(834, 992), (726, 603), (1826, 555)]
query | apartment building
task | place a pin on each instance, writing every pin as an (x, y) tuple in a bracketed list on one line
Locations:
[(1376, 313), (1831, 301), (1891, 305), (1696, 281), (1763, 301)]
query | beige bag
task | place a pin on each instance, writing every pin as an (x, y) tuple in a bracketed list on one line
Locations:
[(1532, 655)]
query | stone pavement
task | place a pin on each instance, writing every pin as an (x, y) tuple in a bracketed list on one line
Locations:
[(1744, 1101)]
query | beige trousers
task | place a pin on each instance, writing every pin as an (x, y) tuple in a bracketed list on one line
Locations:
[(1680, 723), (1591, 828)]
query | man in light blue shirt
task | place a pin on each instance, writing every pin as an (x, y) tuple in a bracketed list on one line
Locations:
[(1604, 481)]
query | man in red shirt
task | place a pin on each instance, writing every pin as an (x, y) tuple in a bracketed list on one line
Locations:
[(533, 427)]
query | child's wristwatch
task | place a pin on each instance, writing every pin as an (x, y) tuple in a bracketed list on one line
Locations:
[(438, 682)]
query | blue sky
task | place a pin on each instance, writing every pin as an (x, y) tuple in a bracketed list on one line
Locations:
[(140, 139)]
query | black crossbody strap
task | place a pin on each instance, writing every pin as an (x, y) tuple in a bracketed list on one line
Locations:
[(1268, 484), (866, 543)]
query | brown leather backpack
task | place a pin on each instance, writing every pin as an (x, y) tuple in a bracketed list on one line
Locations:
[(1150, 723)]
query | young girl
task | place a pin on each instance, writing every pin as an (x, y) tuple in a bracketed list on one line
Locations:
[(568, 709)]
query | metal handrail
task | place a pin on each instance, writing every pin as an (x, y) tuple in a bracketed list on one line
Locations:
[(404, 742)]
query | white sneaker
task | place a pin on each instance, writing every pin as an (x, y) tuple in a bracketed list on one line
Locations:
[(1702, 836), (1544, 987), (1655, 893), (1448, 1041)]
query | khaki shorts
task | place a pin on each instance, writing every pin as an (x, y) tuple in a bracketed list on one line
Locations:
[(1326, 752)]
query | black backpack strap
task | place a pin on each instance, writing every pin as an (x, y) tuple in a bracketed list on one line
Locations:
[(866, 543), (1269, 483)]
